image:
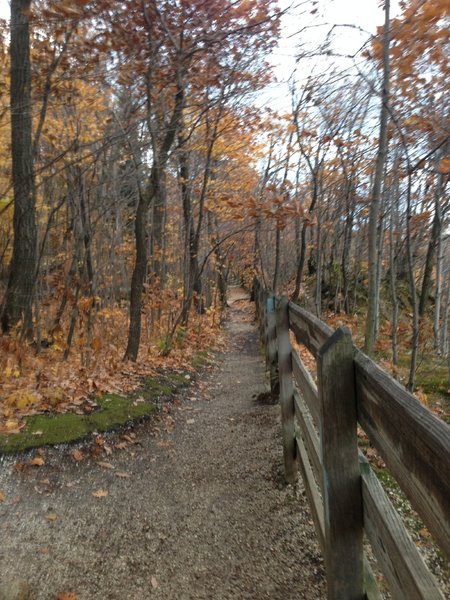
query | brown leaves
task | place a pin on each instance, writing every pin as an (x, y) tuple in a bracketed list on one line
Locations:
[(77, 455), (105, 465), (66, 596), (444, 166), (100, 493)]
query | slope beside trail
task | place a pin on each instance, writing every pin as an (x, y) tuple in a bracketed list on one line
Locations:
[(189, 507)]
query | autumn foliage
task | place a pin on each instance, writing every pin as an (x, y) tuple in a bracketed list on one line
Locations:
[(158, 178)]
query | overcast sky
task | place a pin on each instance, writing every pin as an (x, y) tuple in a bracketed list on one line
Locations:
[(363, 15), (354, 22)]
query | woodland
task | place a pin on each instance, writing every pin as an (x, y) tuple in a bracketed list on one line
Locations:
[(140, 174)]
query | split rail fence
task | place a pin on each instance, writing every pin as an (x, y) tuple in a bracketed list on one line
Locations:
[(319, 430)]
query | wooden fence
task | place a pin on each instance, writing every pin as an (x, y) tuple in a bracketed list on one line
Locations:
[(319, 430)]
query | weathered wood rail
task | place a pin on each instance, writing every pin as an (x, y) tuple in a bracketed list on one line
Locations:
[(319, 431)]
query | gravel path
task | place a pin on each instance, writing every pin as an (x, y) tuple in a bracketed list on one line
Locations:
[(190, 506)]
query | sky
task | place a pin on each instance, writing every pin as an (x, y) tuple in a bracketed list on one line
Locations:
[(354, 20), (299, 23)]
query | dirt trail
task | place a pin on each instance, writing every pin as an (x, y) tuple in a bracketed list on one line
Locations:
[(196, 511)]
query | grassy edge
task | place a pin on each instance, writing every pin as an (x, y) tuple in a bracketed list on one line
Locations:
[(115, 411)]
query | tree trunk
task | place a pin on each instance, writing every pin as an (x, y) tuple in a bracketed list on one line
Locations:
[(444, 336), (373, 291), (138, 277), (140, 226), (393, 250), (348, 229), (434, 241), (276, 269), (18, 302), (415, 338), (158, 227)]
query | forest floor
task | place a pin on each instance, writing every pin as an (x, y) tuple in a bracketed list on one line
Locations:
[(187, 505)]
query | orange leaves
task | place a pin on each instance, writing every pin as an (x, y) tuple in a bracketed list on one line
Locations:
[(77, 455), (52, 517), (444, 166), (68, 9)]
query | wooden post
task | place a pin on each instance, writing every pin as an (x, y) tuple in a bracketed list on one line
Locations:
[(342, 496), (272, 363), (286, 390)]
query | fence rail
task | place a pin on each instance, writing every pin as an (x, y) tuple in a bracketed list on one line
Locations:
[(319, 432)]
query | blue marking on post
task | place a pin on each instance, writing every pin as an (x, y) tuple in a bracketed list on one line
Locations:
[(270, 304)]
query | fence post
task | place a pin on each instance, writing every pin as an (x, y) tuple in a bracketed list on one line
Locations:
[(271, 355), (286, 390), (341, 475)]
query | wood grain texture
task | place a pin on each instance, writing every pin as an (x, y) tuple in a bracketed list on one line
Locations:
[(403, 567), (308, 329), (413, 442), (307, 386), (370, 583), (309, 436), (341, 474), (272, 346), (284, 353), (312, 493)]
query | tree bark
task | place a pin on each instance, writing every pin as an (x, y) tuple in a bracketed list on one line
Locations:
[(434, 239), (373, 291), (140, 226), (18, 302)]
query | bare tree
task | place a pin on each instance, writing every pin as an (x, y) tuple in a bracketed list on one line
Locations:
[(18, 301)]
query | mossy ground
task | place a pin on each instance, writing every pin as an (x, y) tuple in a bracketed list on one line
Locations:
[(44, 429), (114, 411)]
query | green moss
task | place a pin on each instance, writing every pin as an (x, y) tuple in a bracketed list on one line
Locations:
[(43, 430), (386, 479), (178, 379), (155, 387), (117, 410), (114, 411)]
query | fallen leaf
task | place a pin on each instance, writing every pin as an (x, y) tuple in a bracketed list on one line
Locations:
[(19, 467), (37, 433), (121, 445), (77, 455), (105, 465), (2, 496), (99, 440), (37, 461), (154, 582), (51, 517), (425, 533), (66, 596), (100, 493), (107, 449), (164, 444), (122, 474)]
